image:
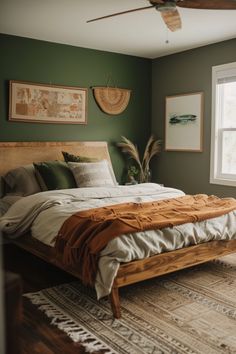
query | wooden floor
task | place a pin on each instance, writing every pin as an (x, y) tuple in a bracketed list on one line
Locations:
[(37, 335)]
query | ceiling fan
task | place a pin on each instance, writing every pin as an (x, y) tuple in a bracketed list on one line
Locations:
[(170, 14)]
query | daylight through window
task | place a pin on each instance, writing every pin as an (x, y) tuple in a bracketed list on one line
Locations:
[(223, 144)]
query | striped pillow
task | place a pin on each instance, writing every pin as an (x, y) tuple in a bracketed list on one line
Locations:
[(92, 174)]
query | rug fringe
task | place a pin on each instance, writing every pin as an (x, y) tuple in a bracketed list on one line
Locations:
[(67, 325)]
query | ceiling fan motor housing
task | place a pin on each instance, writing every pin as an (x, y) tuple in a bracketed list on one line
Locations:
[(165, 6)]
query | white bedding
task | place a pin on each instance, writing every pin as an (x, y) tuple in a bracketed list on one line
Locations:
[(45, 212)]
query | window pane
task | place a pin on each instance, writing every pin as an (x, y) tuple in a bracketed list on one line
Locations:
[(229, 152), (228, 104)]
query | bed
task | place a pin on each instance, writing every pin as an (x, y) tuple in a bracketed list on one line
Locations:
[(16, 154)]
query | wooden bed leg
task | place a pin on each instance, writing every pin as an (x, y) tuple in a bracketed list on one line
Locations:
[(115, 302)]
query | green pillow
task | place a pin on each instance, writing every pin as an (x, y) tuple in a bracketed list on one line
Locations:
[(73, 158), (55, 174)]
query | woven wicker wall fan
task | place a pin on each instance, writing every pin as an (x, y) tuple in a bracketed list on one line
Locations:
[(111, 100)]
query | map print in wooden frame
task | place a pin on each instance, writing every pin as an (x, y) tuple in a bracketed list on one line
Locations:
[(41, 103)]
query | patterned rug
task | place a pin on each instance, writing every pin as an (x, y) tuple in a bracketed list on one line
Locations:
[(190, 311)]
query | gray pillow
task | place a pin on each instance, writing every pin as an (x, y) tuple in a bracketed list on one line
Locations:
[(92, 174), (2, 187), (6, 202), (22, 181)]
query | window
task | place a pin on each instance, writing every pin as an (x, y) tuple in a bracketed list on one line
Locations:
[(223, 137)]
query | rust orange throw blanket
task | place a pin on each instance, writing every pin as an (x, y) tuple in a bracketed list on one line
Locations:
[(86, 233)]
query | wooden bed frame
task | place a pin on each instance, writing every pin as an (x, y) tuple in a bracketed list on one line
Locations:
[(15, 154)]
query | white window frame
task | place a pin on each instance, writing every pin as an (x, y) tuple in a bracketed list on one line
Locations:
[(216, 177)]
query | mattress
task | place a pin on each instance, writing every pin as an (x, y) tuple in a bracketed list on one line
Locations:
[(44, 213)]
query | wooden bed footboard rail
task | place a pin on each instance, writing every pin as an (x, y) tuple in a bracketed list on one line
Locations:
[(165, 263), (139, 270)]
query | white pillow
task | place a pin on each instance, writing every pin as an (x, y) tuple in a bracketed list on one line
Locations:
[(92, 174)]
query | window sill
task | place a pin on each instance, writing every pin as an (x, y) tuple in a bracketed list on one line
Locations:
[(224, 182)]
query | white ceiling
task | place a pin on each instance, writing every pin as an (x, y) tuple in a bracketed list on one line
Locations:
[(141, 33)]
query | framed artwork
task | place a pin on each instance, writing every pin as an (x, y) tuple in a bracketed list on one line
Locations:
[(184, 122), (41, 103)]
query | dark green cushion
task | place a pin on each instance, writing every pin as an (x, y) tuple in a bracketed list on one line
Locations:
[(55, 174), (73, 158)]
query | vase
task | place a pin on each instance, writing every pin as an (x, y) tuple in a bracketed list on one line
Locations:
[(145, 176), (148, 175), (131, 180)]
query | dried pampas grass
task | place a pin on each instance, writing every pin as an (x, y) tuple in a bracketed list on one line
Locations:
[(153, 148)]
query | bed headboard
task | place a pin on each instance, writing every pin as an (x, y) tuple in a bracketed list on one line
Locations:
[(15, 154)]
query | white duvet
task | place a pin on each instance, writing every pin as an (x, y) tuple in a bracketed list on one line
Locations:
[(45, 212)]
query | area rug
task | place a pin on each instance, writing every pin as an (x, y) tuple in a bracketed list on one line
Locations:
[(190, 311)]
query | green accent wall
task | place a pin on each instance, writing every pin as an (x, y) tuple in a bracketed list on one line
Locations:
[(45, 62), (187, 72), (150, 81)]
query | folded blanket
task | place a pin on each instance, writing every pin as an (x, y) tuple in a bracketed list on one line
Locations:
[(84, 234)]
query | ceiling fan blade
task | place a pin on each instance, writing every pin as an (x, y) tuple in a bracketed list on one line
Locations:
[(208, 4), (120, 13), (172, 19)]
